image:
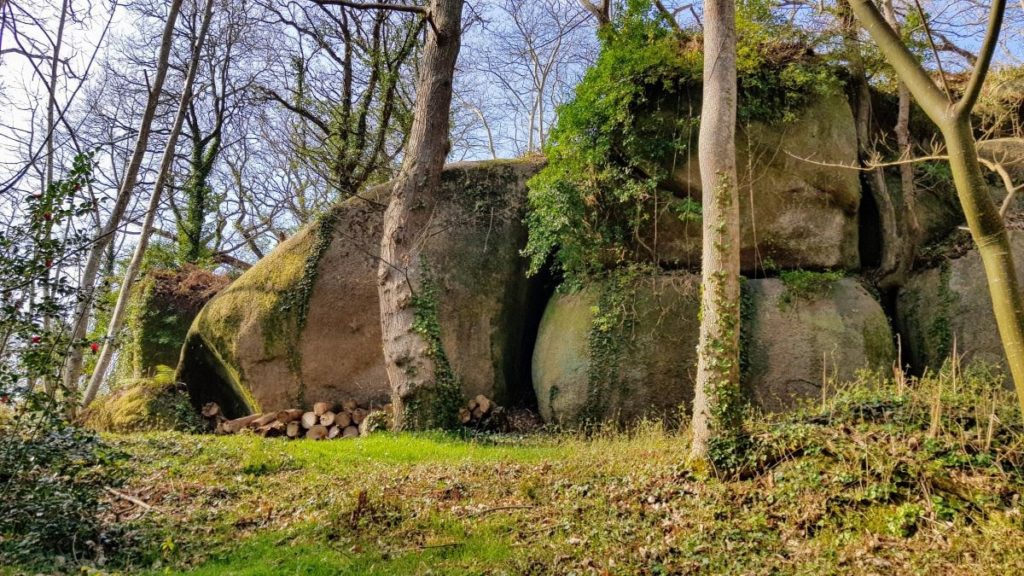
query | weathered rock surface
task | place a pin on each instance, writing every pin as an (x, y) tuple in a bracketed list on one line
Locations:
[(950, 303), (938, 207), (792, 344), (796, 211), (613, 352), (304, 323), (586, 368), (163, 304)]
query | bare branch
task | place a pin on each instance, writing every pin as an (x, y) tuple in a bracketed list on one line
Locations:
[(995, 23), (374, 6)]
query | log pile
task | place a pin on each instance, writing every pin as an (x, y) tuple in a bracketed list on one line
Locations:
[(325, 421), (481, 412)]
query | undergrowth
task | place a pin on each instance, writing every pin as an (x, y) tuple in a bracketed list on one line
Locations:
[(889, 476)]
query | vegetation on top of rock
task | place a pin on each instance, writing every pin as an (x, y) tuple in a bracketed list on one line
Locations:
[(807, 284), (634, 114)]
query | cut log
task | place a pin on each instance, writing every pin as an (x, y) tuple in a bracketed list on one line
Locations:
[(293, 429), (264, 420), (309, 419), (349, 405), (317, 432), (477, 413), (350, 432), (272, 429), (210, 410), (472, 404), (357, 416), (321, 407), (465, 415), (483, 403), (233, 426), (289, 415), (343, 419), (333, 432), (327, 418)]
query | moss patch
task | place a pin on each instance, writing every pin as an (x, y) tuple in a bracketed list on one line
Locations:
[(144, 405), (806, 285), (163, 304)]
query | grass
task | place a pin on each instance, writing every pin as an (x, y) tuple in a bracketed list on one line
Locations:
[(885, 478)]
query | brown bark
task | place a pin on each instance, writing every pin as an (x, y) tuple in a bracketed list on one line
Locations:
[(716, 394), (411, 359)]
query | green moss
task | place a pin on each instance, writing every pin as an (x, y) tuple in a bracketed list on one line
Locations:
[(806, 285), (257, 295), (161, 310), (437, 406), (877, 345), (940, 329), (144, 404), (612, 319)]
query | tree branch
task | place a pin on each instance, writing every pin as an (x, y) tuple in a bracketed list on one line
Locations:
[(374, 6), (921, 85), (995, 23), (935, 51)]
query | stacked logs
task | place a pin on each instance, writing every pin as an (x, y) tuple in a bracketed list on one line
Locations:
[(325, 421), (479, 412)]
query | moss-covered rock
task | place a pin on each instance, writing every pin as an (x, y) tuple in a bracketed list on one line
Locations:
[(149, 404), (949, 304), (796, 211), (163, 304), (801, 337), (620, 351), (304, 323)]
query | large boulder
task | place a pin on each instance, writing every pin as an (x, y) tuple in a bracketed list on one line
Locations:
[(798, 210), (803, 333), (163, 304), (949, 304), (303, 324), (618, 350), (624, 350)]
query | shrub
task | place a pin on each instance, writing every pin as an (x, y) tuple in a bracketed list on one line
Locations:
[(52, 478), (635, 115)]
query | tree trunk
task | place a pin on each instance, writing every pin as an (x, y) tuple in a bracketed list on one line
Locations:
[(121, 306), (51, 106), (912, 232), (889, 269), (106, 234), (989, 233), (422, 385), (983, 218), (716, 400)]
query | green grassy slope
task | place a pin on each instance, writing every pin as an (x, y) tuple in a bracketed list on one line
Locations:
[(884, 479)]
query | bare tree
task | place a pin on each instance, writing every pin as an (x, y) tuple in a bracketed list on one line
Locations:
[(80, 321), (953, 118), (121, 306), (716, 410)]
